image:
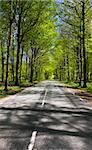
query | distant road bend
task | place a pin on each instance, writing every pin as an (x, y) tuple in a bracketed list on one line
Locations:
[(46, 116)]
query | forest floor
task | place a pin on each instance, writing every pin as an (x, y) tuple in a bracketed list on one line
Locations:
[(83, 93), (13, 89)]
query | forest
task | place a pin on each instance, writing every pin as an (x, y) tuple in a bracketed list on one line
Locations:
[(45, 39)]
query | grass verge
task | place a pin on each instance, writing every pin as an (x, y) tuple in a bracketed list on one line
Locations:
[(76, 86), (84, 93), (11, 90)]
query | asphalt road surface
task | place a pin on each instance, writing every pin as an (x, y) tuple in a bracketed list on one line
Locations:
[(46, 116)]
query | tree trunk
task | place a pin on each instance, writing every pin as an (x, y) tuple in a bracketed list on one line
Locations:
[(84, 50), (29, 70), (64, 72), (2, 53), (77, 62), (80, 55), (31, 65), (68, 74), (36, 71), (18, 51), (13, 60), (7, 61), (60, 72), (31, 75), (21, 63), (26, 73)]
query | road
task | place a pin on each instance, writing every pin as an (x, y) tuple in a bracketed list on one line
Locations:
[(46, 116)]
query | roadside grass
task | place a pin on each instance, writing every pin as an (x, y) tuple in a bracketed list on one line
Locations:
[(11, 90), (84, 93), (89, 87), (76, 86), (28, 84), (72, 84)]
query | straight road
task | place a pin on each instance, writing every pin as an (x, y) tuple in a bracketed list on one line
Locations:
[(46, 116)]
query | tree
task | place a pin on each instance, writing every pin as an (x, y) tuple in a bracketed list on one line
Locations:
[(75, 17)]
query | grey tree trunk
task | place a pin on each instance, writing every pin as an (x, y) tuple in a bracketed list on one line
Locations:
[(2, 53), (80, 55), (84, 50), (13, 60), (26, 73), (18, 52), (7, 61), (21, 59)]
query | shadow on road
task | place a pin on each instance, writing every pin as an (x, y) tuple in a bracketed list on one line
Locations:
[(56, 126), (53, 122)]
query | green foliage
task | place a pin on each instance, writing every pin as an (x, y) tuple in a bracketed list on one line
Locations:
[(11, 90), (50, 38)]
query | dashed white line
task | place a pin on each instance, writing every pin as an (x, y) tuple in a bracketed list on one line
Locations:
[(34, 133), (32, 141), (44, 98)]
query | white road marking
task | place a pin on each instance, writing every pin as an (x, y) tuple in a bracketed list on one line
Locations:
[(33, 137), (32, 141), (44, 98)]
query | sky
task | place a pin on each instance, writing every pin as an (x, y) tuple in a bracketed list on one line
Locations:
[(59, 1)]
